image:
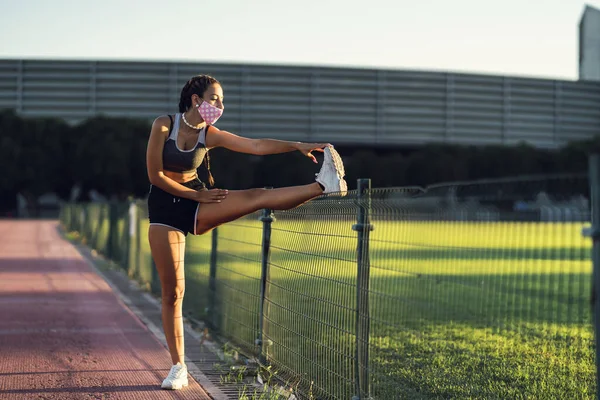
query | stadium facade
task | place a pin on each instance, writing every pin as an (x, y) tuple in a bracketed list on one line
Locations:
[(373, 107)]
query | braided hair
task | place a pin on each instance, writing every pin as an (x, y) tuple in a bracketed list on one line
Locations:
[(197, 85)]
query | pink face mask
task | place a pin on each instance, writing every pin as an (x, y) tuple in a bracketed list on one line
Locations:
[(209, 113)]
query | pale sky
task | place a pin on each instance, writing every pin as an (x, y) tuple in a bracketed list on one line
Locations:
[(532, 38)]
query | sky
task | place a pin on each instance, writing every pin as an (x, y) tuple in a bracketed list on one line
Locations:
[(530, 38)]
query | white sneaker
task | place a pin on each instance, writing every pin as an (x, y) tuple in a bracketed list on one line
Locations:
[(331, 175), (177, 378)]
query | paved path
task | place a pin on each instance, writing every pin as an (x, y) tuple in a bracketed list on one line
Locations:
[(63, 333)]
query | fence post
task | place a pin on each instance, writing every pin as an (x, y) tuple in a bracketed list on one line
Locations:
[(155, 283), (363, 321), (138, 243), (267, 218), (121, 243), (212, 281), (594, 233), (131, 232), (83, 217), (112, 227)]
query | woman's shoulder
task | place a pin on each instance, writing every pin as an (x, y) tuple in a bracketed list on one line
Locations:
[(163, 123), (163, 120)]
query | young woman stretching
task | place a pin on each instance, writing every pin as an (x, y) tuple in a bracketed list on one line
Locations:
[(179, 203)]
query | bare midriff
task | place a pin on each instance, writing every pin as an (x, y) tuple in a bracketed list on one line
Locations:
[(181, 177)]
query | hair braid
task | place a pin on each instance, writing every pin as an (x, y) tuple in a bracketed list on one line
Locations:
[(211, 180), (184, 92)]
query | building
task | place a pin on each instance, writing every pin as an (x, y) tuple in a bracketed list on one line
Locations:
[(589, 45), (373, 107)]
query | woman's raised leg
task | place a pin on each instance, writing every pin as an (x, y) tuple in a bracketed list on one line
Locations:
[(238, 203), (243, 202)]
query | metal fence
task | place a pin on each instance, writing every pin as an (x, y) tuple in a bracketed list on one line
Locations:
[(466, 290)]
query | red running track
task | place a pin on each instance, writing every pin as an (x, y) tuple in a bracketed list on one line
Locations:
[(63, 333)]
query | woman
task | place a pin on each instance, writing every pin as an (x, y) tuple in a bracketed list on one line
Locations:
[(179, 202)]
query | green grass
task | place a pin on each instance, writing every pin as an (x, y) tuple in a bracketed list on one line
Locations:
[(458, 310)]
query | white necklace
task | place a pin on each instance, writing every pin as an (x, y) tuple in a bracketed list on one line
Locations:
[(188, 124)]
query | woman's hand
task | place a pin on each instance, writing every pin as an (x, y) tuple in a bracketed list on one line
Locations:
[(308, 148), (210, 196)]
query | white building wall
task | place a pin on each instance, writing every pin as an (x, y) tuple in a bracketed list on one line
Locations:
[(589, 45)]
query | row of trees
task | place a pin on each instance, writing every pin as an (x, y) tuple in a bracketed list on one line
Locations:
[(41, 155)]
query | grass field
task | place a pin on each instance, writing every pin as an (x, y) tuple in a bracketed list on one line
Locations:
[(458, 310)]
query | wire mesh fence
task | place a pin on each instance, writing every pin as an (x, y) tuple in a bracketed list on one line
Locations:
[(238, 281), (199, 298), (482, 291), (311, 302), (464, 290)]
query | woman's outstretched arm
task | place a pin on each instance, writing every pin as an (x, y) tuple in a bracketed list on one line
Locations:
[(260, 147)]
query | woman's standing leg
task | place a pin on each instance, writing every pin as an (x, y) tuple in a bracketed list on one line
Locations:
[(168, 248)]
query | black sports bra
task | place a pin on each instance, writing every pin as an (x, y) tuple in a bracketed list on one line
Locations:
[(177, 160)]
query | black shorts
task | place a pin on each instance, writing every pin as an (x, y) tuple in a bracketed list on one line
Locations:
[(174, 211)]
